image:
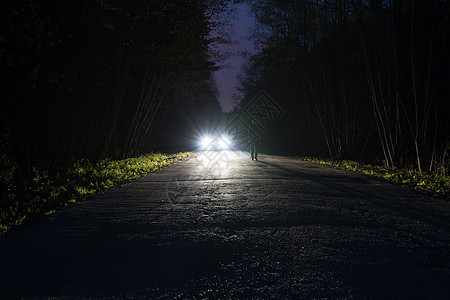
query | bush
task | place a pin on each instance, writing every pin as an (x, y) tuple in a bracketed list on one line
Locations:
[(430, 182), (46, 194)]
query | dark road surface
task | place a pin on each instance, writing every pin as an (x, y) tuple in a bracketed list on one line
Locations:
[(228, 227)]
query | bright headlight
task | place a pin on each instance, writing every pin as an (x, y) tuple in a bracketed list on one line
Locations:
[(206, 142), (224, 142)]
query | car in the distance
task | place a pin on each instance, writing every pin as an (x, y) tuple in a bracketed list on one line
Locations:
[(215, 142)]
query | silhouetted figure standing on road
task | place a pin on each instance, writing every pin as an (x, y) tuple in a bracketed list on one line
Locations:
[(254, 143)]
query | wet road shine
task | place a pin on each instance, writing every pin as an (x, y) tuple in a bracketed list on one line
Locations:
[(221, 226)]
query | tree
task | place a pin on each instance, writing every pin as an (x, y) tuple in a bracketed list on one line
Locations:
[(95, 79), (366, 79)]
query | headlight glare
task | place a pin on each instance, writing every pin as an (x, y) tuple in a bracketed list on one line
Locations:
[(206, 142), (224, 142)]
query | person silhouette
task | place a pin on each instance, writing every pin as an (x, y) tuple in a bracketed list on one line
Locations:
[(254, 141)]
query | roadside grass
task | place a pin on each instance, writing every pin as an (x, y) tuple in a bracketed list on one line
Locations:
[(46, 194), (436, 184)]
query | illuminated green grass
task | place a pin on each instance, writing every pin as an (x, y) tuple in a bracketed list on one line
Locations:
[(433, 183), (46, 194)]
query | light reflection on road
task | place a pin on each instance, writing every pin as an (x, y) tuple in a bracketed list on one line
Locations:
[(219, 162)]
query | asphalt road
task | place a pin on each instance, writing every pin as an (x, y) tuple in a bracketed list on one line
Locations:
[(222, 226)]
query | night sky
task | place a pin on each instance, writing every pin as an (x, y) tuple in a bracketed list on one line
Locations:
[(226, 78)]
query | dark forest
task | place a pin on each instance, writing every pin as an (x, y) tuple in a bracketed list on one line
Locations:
[(360, 80), (99, 79), (366, 80)]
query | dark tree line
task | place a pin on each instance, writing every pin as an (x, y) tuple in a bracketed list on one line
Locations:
[(359, 79), (97, 79)]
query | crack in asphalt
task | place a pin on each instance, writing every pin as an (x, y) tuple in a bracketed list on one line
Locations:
[(275, 228), (442, 222)]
